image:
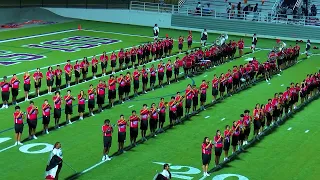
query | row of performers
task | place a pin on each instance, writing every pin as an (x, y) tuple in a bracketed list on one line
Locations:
[(262, 117)]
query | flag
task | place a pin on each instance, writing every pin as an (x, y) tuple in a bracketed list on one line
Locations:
[(53, 168)]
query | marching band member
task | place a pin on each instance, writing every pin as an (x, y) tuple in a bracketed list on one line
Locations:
[(144, 73), (121, 56), (58, 73), (26, 85), (179, 106), (101, 94), (235, 136), (18, 124), (68, 68), (50, 79), (37, 76), (268, 111), (107, 131), (153, 73), (112, 90), (46, 116), (127, 59), (154, 116), (189, 95), (189, 39), (128, 79), (68, 107), (32, 119), (122, 129), (170, 46), (134, 124), (240, 47), (121, 88), (14, 83), (81, 104), (195, 99), (94, 66), (133, 53), (160, 70), (113, 58), (84, 64), (57, 101), (172, 111), (275, 112), (256, 119), (215, 85), (206, 155), (144, 116), (246, 122), (91, 102), (240, 122), (180, 44), (262, 117), (162, 114), (176, 66), (203, 96), (222, 87), (136, 75), (226, 142), (104, 63), (229, 82), (168, 71), (218, 141)]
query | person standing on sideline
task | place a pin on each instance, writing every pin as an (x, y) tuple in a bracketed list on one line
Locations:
[(68, 108), (134, 124), (156, 31), (26, 85), (68, 68), (32, 119), (58, 73), (14, 83), (107, 131), (206, 155), (91, 101), (204, 37), (101, 94), (122, 129), (55, 162), (5, 92), (57, 101), (144, 116), (37, 76), (81, 104), (226, 144), (218, 141), (18, 124), (46, 108)]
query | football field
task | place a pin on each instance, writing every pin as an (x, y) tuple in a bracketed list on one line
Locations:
[(24, 50)]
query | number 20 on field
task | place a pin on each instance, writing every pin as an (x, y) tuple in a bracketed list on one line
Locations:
[(26, 148), (187, 175)]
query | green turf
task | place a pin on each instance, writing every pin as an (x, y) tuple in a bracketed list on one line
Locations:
[(82, 141)]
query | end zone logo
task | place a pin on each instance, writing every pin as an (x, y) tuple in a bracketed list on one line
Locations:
[(8, 58)]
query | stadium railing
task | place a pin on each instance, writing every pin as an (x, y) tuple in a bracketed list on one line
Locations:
[(154, 7)]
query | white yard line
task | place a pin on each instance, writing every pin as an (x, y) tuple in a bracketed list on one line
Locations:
[(306, 131), (223, 119), (7, 148), (205, 75), (203, 177), (90, 168), (289, 128), (282, 84), (131, 106), (207, 117)]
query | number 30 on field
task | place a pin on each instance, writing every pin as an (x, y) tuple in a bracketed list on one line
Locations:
[(194, 171), (27, 147)]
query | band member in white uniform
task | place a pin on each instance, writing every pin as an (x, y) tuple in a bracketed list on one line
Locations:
[(55, 162), (204, 37), (156, 31), (308, 47), (254, 42)]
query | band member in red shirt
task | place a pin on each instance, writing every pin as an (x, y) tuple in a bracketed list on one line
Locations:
[(189, 96), (140, 55), (112, 82), (26, 85), (94, 66), (226, 142), (246, 123), (160, 70), (218, 141), (122, 129), (275, 112), (104, 63), (121, 88), (121, 56), (91, 102), (229, 81), (14, 83), (136, 75), (101, 94), (68, 107), (235, 136), (144, 116), (153, 73), (172, 111), (256, 119), (18, 117), (179, 107), (195, 99), (145, 74), (85, 68), (50, 79), (58, 73), (176, 66), (81, 104), (127, 59), (113, 59), (32, 119), (154, 116), (162, 114), (240, 47), (180, 44), (170, 45), (46, 108), (107, 131), (262, 118), (68, 68), (169, 71), (133, 53), (203, 96), (189, 40), (57, 101), (37, 76), (206, 149), (222, 86), (134, 125), (215, 85), (128, 79), (268, 111)]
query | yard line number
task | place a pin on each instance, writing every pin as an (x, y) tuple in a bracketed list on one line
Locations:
[(186, 172), (31, 148)]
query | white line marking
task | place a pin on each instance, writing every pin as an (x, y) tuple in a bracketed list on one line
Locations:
[(282, 84), (90, 168), (223, 119), (289, 128), (7, 148), (306, 131), (203, 177), (205, 75), (269, 83), (207, 117), (299, 61), (39, 35), (131, 106)]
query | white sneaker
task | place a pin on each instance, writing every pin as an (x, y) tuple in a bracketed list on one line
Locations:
[(19, 143), (7, 106), (70, 122), (47, 132), (207, 174), (107, 158), (92, 114), (3, 106), (81, 118), (16, 143), (34, 137), (103, 158), (204, 174)]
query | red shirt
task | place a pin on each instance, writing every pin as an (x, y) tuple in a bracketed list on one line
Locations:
[(236, 131), (178, 99), (152, 72), (77, 67), (215, 83), (169, 67), (268, 107), (121, 55), (26, 79), (91, 93), (14, 83), (275, 102), (154, 113), (121, 81), (162, 107), (81, 99), (113, 57), (128, 80), (104, 58), (18, 117), (144, 73), (218, 141), (256, 114), (122, 125), (144, 113), (112, 84), (57, 102), (189, 38), (189, 93), (206, 150), (32, 113), (49, 75), (94, 62), (203, 88), (38, 75), (246, 120), (227, 134), (241, 44), (172, 106), (133, 51), (134, 121), (136, 75), (181, 40), (46, 109), (160, 68), (84, 64), (107, 130), (68, 99), (58, 73), (68, 68), (101, 88)]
